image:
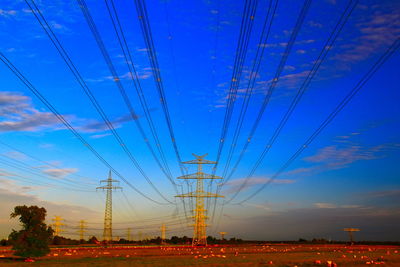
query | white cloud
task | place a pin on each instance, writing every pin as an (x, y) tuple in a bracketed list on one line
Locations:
[(376, 32), (19, 114), (98, 136), (6, 13), (323, 205), (15, 155), (258, 206), (59, 172)]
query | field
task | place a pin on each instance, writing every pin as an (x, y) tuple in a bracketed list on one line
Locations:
[(245, 255)]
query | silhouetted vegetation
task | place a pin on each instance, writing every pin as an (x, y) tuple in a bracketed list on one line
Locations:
[(59, 240), (34, 238), (93, 240)]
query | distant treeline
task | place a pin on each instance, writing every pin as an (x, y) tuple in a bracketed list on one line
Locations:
[(175, 240), (59, 240), (324, 241)]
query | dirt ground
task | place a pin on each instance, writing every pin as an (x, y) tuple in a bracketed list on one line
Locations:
[(246, 255)]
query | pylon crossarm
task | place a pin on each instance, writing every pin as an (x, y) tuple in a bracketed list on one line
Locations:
[(351, 229), (112, 181), (199, 175), (204, 161), (199, 195), (109, 187)]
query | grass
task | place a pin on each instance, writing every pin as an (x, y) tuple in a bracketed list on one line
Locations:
[(267, 255)]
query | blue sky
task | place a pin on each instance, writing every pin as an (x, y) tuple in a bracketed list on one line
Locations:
[(348, 177)]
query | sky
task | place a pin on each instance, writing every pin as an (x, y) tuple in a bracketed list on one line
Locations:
[(347, 176)]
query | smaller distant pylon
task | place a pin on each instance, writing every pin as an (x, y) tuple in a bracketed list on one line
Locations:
[(351, 231), (163, 230), (128, 234), (57, 225), (82, 229), (109, 188), (222, 235)]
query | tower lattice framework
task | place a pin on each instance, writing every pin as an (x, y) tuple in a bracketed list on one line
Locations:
[(109, 187), (200, 226), (163, 233), (57, 225), (82, 227)]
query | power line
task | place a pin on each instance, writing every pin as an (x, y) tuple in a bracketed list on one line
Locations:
[(89, 19), (317, 63), (46, 27), (278, 72), (376, 66), (42, 161), (30, 86), (296, 29), (24, 179), (249, 11), (253, 75), (135, 78), (178, 88), (151, 52), (250, 85), (27, 170)]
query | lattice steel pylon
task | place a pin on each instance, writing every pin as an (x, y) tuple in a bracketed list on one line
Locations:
[(128, 234), (163, 231), (109, 187), (82, 227), (57, 225), (200, 226)]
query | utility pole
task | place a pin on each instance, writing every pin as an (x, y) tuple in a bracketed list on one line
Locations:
[(57, 225), (82, 227), (199, 235), (109, 187), (163, 230), (351, 231), (222, 235), (128, 234)]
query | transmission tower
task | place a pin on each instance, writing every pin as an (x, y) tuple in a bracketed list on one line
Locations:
[(163, 230), (222, 235), (128, 234), (199, 235), (57, 225), (109, 187), (351, 231), (82, 229)]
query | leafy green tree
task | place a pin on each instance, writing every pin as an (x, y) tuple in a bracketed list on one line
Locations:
[(34, 237)]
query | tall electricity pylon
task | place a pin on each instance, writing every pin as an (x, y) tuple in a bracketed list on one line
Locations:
[(163, 230), (109, 187), (199, 235), (57, 225), (82, 227)]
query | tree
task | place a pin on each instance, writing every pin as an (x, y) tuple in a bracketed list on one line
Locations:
[(93, 240), (3, 242), (34, 238)]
